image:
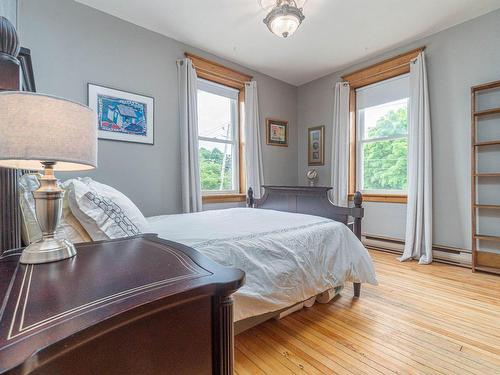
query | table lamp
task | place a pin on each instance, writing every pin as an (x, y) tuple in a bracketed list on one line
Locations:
[(42, 132)]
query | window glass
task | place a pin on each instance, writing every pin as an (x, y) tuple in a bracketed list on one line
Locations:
[(382, 142), (218, 137)]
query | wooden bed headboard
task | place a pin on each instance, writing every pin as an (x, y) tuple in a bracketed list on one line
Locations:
[(16, 74), (309, 200)]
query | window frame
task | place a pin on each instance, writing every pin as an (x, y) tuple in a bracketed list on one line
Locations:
[(359, 166), (225, 91), (220, 74), (381, 71)]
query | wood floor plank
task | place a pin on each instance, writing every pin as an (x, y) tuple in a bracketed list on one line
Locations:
[(420, 319)]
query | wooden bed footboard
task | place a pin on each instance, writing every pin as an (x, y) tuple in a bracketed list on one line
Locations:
[(312, 201)]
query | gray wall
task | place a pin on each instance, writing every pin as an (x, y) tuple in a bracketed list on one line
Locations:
[(8, 9), (457, 58), (73, 44)]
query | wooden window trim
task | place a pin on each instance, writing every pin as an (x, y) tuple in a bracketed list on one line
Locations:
[(218, 73), (387, 198), (224, 198), (214, 72), (381, 71)]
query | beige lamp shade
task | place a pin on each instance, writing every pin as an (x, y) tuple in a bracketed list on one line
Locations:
[(36, 128)]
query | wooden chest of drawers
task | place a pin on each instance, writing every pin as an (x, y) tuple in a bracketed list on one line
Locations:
[(131, 306)]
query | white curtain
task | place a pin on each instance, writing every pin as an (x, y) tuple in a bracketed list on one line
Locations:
[(253, 146), (340, 145), (188, 120), (418, 239)]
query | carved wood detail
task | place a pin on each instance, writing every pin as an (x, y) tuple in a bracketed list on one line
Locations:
[(223, 338)]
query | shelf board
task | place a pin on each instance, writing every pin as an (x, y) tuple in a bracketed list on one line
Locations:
[(486, 237), (488, 269), (487, 112), (488, 206), (487, 143), (486, 86), (497, 174)]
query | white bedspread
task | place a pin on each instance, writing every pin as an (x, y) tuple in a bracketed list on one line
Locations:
[(287, 257)]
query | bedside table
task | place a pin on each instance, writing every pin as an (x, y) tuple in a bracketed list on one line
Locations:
[(140, 305)]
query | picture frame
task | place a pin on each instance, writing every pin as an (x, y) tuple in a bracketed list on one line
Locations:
[(121, 115), (276, 132), (316, 145)]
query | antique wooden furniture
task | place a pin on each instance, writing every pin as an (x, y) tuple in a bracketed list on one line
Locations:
[(312, 201), (16, 73), (129, 306), (485, 201)]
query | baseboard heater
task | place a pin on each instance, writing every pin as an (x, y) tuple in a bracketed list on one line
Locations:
[(443, 254)]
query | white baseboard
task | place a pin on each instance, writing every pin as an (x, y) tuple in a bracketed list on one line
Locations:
[(444, 254)]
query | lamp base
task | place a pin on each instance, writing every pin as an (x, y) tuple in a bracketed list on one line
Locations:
[(47, 250)]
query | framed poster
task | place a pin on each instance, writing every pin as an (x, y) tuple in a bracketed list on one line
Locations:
[(316, 145), (122, 116), (277, 132)]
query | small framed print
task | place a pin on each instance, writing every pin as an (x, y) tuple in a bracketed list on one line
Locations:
[(277, 132), (316, 145), (122, 116)]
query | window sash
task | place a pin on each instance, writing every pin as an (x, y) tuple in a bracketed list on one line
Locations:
[(360, 142), (228, 92), (235, 168), (361, 163)]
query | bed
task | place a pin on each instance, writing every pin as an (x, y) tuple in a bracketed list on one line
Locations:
[(293, 244)]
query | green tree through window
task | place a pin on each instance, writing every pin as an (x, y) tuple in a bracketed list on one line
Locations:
[(210, 169), (385, 162)]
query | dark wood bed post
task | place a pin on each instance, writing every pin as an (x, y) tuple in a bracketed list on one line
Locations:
[(16, 74), (10, 80), (358, 203), (250, 199)]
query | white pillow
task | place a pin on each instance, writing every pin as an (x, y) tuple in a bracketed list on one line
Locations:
[(103, 211), (69, 227)]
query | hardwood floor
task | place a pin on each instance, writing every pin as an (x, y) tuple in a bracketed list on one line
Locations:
[(419, 320)]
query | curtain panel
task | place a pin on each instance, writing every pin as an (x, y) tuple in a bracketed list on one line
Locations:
[(340, 145), (188, 122), (418, 238), (253, 144)]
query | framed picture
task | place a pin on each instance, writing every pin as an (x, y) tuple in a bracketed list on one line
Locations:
[(316, 145), (277, 132), (122, 116)]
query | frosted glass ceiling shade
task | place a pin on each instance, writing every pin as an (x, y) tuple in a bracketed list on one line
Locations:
[(36, 128), (285, 18), (284, 26)]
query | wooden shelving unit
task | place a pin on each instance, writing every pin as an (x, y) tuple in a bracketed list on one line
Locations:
[(485, 261)]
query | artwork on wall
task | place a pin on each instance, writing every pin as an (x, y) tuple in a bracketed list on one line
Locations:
[(277, 132), (316, 145), (121, 115)]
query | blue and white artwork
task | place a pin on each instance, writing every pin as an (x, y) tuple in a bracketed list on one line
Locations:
[(121, 115)]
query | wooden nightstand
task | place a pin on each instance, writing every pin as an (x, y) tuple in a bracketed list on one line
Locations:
[(140, 305)]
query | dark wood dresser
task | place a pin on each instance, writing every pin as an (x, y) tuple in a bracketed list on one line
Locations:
[(131, 306)]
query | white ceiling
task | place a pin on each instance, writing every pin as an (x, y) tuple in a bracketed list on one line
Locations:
[(335, 33)]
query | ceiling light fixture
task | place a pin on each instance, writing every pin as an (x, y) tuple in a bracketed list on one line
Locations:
[(285, 18)]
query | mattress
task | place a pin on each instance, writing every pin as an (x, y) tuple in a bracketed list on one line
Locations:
[(287, 257)]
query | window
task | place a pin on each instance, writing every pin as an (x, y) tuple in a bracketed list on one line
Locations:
[(379, 108), (221, 94), (382, 141), (218, 138)]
